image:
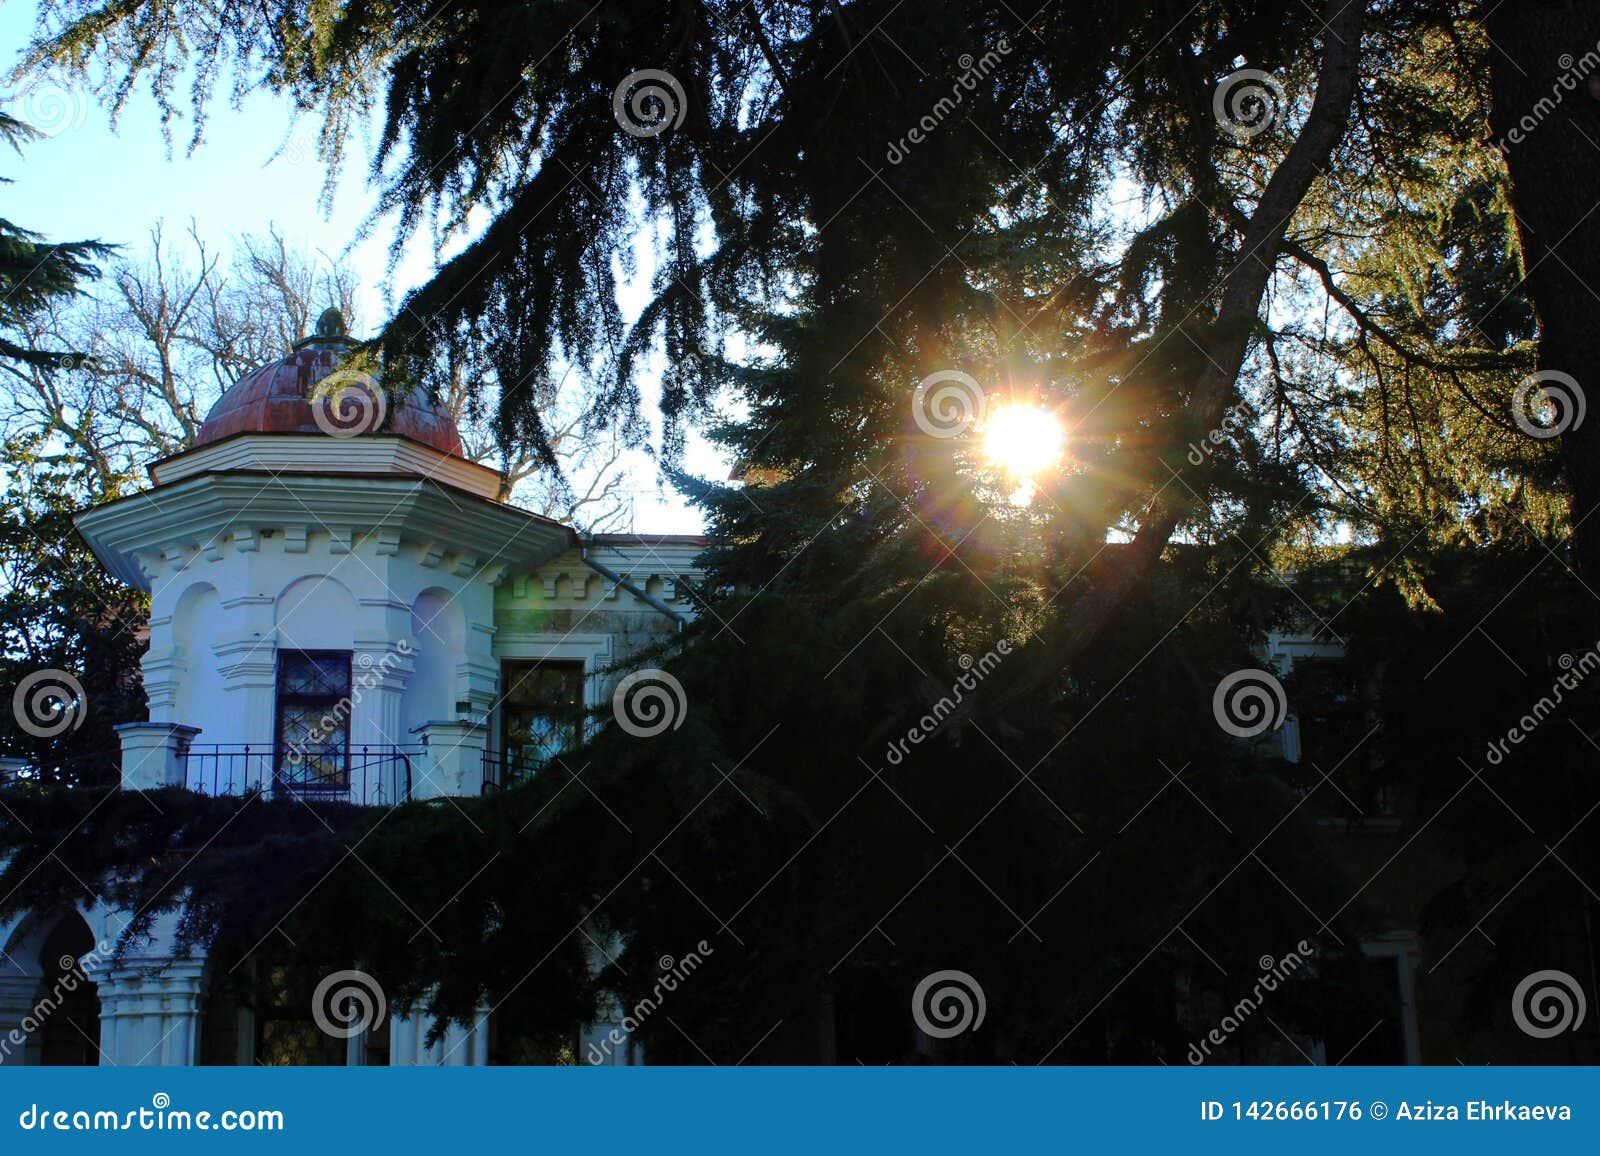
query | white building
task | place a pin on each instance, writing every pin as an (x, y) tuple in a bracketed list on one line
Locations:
[(341, 609)]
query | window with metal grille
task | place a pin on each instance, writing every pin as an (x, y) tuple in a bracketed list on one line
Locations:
[(312, 737), (542, 712)]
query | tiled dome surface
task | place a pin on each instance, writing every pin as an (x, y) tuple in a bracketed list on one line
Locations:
[(277, 399)]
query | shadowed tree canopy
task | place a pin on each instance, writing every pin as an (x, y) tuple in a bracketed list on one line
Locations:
[(846, 198), (1320, 282)]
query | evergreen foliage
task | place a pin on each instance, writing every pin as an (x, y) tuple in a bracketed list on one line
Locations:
[(35, 272), (1078, 832)]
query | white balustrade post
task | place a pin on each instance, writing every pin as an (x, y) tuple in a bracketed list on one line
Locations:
[(452, 760), (153, 754)]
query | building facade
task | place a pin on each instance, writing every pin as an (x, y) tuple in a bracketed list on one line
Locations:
[(341, 609)]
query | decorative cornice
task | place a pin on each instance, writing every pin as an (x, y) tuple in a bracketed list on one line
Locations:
[(314, 453), (547, 646), (392, 509)]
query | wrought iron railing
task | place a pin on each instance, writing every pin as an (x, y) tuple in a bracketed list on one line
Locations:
[(375, 775), (505, 769)]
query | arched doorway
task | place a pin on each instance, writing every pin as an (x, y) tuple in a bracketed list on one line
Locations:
[(68, 1009)]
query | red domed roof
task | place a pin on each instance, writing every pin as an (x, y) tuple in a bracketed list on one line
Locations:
[(283, 396)]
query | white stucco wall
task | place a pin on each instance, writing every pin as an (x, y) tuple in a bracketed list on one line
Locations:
[(430, 586), (217, 625)]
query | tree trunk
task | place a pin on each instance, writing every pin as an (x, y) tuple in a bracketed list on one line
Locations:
[(1545, 80), (1236, 319)]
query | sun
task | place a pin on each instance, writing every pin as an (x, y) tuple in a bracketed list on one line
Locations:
[(1024, 441)]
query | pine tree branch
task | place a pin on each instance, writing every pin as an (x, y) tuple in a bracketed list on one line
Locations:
[(1242, 291)]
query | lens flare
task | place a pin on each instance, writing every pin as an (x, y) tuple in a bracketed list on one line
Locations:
[(1023, 441)]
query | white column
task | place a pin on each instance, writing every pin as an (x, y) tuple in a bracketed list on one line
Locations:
[(380, 668), (379, 671), (248, 664), (478, 671), (164, 668), (608, 1040), (1407, 966), (150, 998), (244, 1037), (18, 994), (405, 1041), (150, 1011), (606, 1043), (461, 1046)]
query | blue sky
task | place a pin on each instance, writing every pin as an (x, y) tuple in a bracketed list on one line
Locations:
[(256, 166), (85, 180)]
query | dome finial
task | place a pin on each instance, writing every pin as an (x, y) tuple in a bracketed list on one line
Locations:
[(330, 332), (331, 324)]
